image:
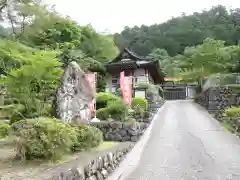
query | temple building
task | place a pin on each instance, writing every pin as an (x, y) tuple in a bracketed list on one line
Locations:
[(143, 70)]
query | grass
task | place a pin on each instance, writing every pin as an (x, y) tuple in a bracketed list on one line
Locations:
[(228, 127), (10, 168), (7, 152), (106, 145)]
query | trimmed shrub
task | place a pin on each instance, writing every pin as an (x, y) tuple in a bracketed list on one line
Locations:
[(102, 99), (43, 138), (233, 112), (4, 130), (116, 110), (131, 120), (103, 114), (141, 102), (87, 137)]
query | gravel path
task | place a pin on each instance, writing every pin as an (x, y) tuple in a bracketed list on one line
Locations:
[(186, 143)]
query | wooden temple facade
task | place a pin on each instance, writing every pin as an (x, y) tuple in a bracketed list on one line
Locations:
[(142, 70)]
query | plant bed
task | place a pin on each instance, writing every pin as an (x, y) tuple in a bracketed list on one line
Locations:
[(39, 170)]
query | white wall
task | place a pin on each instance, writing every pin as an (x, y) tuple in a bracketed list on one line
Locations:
[(140, 94), (191, 92), (108, 83), (140, 76), (139, 72)]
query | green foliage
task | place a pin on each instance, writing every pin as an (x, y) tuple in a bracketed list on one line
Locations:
[(141, 102), (102, 99), (167, 63), (233, 112), (115, 109), (87, 137), (43, 138), (103, 113), (231, 118), (131, 120), (4, 130), (178, 33), (228, 127), (47, 138), (34, 90), (190, 46), (97, 46), (56, 35), (12, 111)]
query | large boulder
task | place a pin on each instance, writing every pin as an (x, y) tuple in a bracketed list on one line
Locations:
[(73, 96)]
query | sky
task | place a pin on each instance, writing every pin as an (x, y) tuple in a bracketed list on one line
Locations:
[(113, 15)]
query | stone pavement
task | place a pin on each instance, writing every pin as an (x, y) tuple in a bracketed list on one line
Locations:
[(185, 143)]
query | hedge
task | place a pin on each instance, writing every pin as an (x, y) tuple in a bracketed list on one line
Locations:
[(102, 99), (141, 102), (116, 110), (47, 138)]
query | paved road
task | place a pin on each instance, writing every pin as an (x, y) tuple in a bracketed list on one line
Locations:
[(188, 144)]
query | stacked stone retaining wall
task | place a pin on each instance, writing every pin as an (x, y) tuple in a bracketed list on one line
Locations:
[(97, 169), (217, 99), (121, 131)]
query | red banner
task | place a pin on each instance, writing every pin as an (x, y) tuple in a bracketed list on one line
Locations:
[(126, 88), (92, 79)]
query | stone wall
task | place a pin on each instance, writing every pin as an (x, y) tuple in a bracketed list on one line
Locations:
[(216, 99), (125, 131), (121, 131), (98, 169)]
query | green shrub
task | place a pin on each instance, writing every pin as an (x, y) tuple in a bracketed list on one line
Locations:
[(43, 138), (141, 102), (116, 110), (233, 112), (87, 137), (4, 130), (231, 117), (102, 99), (131, 120), (103, 114)]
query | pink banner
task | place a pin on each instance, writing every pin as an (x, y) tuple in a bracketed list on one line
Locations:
[(121, 79), (92, 79), (126, 87)]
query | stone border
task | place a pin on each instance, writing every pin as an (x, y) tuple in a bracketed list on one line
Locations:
[(97, 169)]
